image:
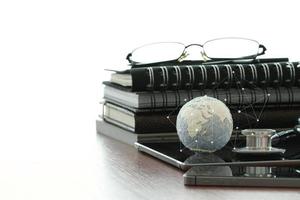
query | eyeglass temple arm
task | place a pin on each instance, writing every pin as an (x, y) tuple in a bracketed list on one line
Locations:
[(128, 57), (263, 49)]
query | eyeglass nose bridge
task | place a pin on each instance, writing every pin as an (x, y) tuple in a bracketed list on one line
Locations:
[(184, 55), (199, 45)]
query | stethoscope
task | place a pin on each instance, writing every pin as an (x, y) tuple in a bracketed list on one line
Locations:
[(260, 141)]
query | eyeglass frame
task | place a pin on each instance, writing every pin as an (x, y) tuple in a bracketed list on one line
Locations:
[(206, 59)]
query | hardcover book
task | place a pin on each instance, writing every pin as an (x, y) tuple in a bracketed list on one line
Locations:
[(129, 137), (164, 122), (147, 122)]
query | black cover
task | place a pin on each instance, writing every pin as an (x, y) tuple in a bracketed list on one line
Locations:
[(215, 76), (165, 121), (234, 97), (149, 123)]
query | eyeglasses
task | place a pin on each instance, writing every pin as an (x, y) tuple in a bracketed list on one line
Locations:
[(220, 49)]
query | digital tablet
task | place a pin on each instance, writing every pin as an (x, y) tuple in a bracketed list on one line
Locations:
[(255, 176), (177, 155)]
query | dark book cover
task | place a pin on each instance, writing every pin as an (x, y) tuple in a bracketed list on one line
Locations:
[(177, 77), (232, 97), (161, 122)]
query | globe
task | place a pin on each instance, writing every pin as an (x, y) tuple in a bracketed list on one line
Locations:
[(204, 124)]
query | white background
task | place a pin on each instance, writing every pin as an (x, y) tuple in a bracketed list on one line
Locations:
[(52, 56)]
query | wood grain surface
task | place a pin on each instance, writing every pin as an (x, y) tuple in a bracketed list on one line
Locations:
[(125, 173)]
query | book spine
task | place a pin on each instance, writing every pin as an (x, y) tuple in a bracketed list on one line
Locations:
[(182, 77)]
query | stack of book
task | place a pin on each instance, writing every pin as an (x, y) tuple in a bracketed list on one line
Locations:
[(141, 103)]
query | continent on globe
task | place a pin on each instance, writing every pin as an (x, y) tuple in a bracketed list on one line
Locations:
[(204, 124)]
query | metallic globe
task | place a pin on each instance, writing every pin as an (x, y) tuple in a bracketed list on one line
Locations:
[(204, 124)]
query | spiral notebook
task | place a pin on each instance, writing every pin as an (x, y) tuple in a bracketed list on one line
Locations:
[(180, 77), (233, 97)]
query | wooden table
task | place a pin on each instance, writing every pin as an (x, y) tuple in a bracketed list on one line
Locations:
[(125, 173)]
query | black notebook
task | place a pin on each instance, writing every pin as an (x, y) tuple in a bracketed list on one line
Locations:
[(232, 97), (145, 122), (165, 121), (181, 77), (129, 137)]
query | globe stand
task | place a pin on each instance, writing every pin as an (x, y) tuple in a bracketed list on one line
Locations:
[(258, 141)]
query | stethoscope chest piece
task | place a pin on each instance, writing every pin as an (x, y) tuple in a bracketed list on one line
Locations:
[(258, 141)]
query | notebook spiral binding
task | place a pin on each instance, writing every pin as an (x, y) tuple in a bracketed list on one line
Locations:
[(211, 76), (229, 77), (232, 97)]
